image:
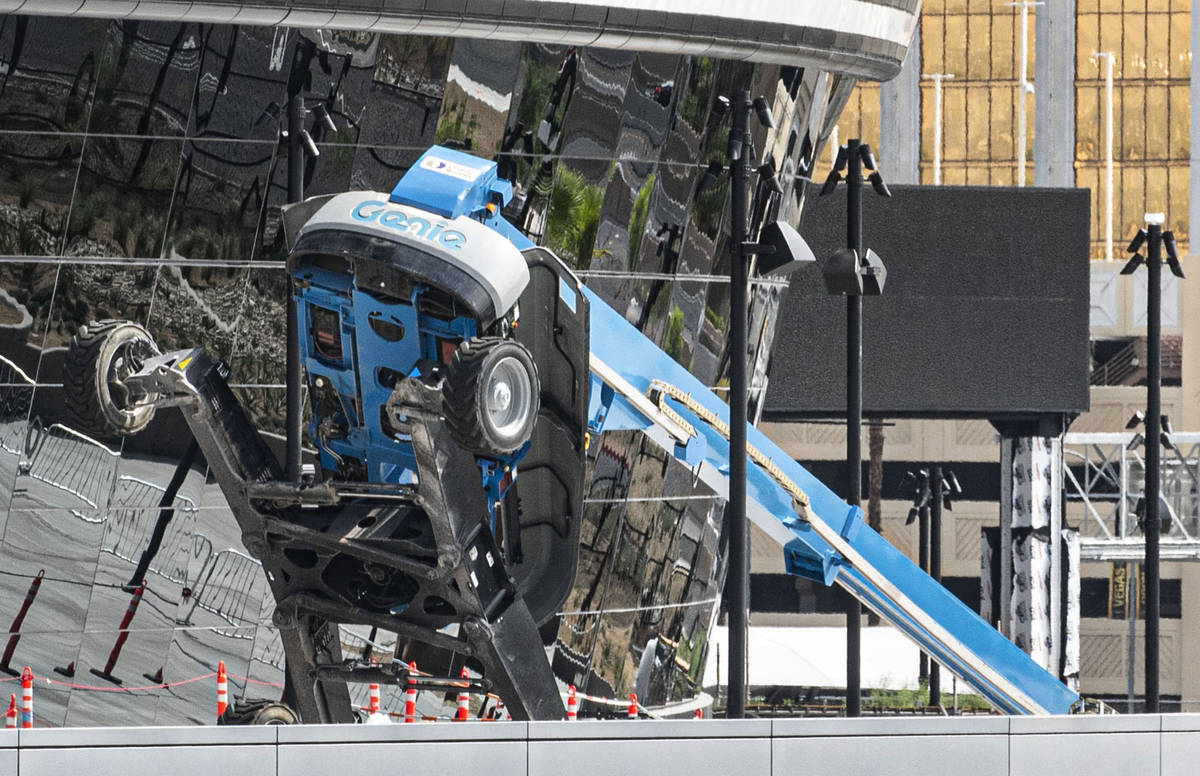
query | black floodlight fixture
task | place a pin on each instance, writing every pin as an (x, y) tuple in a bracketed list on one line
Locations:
[(719, 108), (1165, 436), (764, 112), (1166, 514), (309, 143), (1137, 242), (918, 484), (325, 118), (710, 177), (867, 156), (1135, 420), (1136, 442), (874, 274), (841, 273), (766, 173), (1172, 255), (1132, 265), (876, 181), (781, 250), (735, 147), (835, 174), (950, 487)]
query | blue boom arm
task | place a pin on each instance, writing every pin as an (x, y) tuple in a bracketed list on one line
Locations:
[(635, 385)]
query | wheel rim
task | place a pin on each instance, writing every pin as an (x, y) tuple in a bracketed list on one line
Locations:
[(508, 397), (124, 357)]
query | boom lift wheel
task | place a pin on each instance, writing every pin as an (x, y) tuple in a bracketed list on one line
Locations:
[(491, 395), (102, 354)]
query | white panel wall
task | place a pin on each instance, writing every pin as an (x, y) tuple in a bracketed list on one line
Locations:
[(1167, 745)]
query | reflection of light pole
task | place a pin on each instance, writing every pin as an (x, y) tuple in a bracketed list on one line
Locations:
[(937, 79), (1024, 88), (1155, 238), (853, 272), (1107, 58)]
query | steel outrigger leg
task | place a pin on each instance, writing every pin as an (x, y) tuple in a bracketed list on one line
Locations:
[(415, 559)]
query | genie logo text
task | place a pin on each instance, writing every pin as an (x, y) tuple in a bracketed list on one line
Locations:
[(415, 225)]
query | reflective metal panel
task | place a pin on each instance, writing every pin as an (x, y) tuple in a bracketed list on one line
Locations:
[(142, 178)]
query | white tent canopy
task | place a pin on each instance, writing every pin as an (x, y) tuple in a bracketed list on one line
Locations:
[(816, 657)]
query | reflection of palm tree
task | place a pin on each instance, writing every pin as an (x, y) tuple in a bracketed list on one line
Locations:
[(572, 217)]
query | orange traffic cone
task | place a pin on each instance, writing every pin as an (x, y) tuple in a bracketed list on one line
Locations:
[(27, 698), (698, 714), (10, 716), (633, 705), (222, 690), (572, 704), (410, 695), (464, 699)]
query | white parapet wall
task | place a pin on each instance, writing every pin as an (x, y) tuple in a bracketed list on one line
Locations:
[(1168, 745)]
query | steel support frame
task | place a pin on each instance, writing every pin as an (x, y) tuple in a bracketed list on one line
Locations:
[(332, 560)]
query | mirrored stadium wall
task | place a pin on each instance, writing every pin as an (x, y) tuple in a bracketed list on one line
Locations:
[(141, 177)]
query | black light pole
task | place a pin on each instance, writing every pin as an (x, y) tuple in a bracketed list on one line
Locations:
[(1156, 239), (854, 272), (1153, 457), (923, 557), (739, 561), (854, 183), (935, 569)]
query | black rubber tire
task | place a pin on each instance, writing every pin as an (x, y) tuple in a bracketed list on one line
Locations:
[(275, 714), (94, 359), (463, 398)]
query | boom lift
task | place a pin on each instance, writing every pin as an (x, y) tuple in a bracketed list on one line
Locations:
[(455, 373)]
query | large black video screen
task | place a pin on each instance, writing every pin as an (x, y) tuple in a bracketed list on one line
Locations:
[(984, 313)]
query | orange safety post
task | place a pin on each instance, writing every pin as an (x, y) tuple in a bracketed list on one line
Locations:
[(572, 704), (464, 698), (410, 694), (27, 698), (222, 690)]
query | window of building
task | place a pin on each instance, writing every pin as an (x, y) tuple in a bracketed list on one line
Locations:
[(1149, 41), (979, 44)]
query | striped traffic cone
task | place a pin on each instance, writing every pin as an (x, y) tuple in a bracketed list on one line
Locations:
[(374, 715), (464, 699), (633, 706), (222, 690), (27, 698), (10, 716), (572, 704), (122, 636), (410, 694)]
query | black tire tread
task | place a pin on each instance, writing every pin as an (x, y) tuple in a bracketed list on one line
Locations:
[(79, 379), (459, 390)]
